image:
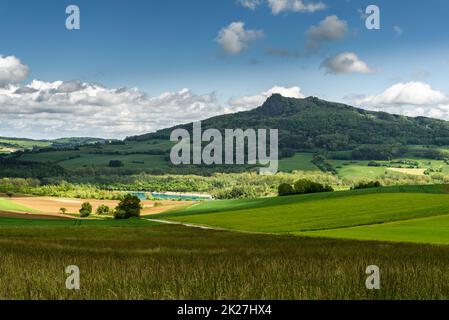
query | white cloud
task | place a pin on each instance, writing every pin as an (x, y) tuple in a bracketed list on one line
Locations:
[(279, 6), (55, 109), (234, 38), (250, 4), (411, 99), (410, 93), (330, 29), (249, 102), (74, 108), (346, 62), (12, 70)]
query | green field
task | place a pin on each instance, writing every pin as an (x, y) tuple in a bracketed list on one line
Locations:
[(357, 169), (134, 146), (130, 154), (6, 205), (53, 156), (391, 213), (297, 247), (242, 204), (14, 144), (26, 143), (129, 161), (424, 230), (152, 155), (306, 247), (300, 162), (150, 261), (67, 160)]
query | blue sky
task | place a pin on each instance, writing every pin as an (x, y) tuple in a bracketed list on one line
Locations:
[(163, 47)]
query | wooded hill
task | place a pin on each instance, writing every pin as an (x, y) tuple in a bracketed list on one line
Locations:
[(312, 123)]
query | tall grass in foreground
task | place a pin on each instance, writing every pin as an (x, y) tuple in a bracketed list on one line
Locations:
[(173, 262)]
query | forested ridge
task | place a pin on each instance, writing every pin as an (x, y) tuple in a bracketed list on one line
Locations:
[(312, 123)]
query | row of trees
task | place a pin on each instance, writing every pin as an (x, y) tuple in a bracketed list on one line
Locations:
[(129, 207), (220, 186), (367, 185), (303, 186)]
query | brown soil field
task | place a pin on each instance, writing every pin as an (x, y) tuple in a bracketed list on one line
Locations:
[(50, 205)]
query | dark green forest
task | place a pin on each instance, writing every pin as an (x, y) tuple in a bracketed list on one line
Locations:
[(314, 124)]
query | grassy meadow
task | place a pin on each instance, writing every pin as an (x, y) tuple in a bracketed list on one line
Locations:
[(361, 170), (6, 205), (300, 161), (395, 214), (139, 156), (68, 160), (25, 143), (314, 246), (327, 214), (357, 170), (150, 261), (424, 230), (131, 154)]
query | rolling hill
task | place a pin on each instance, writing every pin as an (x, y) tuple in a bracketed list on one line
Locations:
[(407, 214), (9, 145), (312, 123), (307, 127)]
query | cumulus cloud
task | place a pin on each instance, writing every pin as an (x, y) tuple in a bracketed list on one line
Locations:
[(346, 62), (410, 98), (330, 29), (42, 109), (234, 38), (249, 102), (279, 6), (12, 70), (74, 108), (250, 4), (410, 93)]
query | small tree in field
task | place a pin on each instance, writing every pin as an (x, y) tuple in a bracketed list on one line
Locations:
[(103, 210), (119, 214), (63, 211), (86, 210), (9, 194), (303, 186), (129, 207), (286, 189)]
